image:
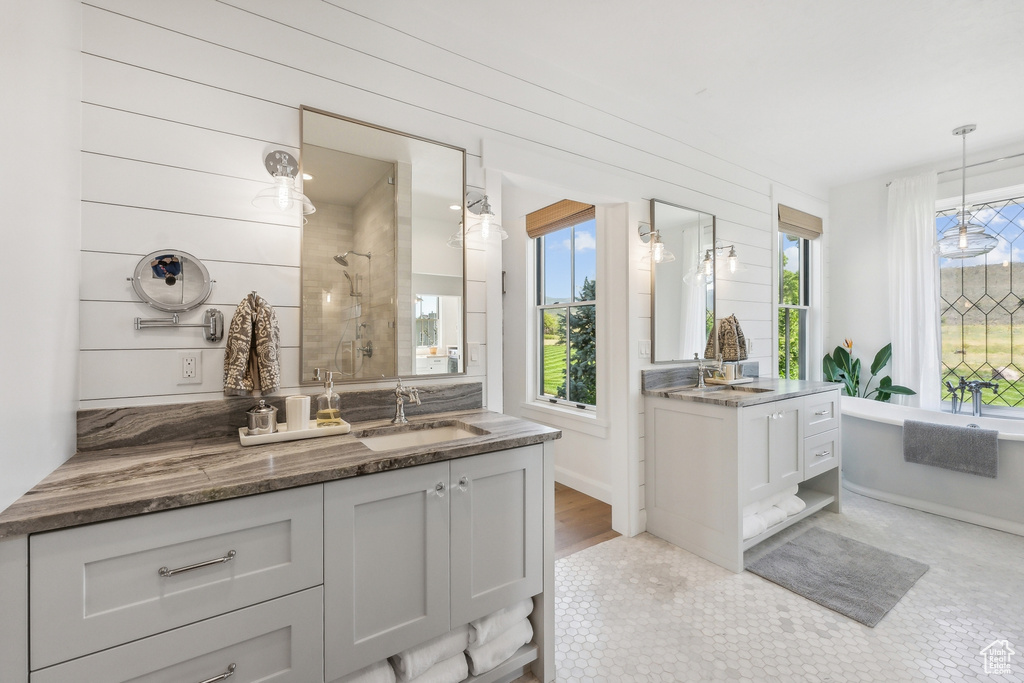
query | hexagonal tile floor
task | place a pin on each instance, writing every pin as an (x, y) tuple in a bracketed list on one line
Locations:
[(638, 610)]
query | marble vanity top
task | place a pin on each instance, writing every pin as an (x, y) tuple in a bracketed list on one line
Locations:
[(99, 485), (760, 390)]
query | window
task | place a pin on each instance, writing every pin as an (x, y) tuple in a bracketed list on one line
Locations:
[(981, 305), (567, 313), (794, 285), (428, 315)]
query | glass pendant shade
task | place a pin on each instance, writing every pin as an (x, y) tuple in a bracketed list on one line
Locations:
[(659, 252), (486, 225), (455, 239), (965, 239), (282, 196)]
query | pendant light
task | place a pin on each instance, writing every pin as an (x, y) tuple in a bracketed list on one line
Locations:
[(965, 239), (283, 195)]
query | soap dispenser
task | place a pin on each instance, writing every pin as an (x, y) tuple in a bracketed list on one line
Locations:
[(328, 405)]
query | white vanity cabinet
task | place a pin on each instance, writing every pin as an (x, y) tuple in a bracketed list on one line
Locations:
[(426, 549), (705, 462), (286, 585)]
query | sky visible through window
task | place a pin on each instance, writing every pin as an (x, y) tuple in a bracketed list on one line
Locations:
[(558, 272)]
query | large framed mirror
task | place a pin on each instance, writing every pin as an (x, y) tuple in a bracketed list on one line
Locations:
[(683, 287), (383, 294)]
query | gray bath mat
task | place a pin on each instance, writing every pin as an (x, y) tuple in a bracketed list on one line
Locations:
[(850, 577)]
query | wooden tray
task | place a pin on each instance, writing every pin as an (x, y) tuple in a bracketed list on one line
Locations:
[(730, 382)]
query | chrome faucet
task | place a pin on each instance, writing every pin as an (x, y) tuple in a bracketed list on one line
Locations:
[(716, 366), (974, 386), (402, 393)]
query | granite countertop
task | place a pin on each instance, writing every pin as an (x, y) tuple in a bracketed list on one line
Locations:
[(108, 484), (760, 390)]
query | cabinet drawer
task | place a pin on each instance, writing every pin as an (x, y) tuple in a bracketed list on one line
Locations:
[(821, 453), (105, 584), (280, 641), (821, 413)]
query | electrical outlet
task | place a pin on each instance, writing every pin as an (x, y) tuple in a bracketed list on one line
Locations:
[(190, 367)]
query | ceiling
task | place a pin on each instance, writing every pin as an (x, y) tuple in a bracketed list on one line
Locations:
[(834, 91)]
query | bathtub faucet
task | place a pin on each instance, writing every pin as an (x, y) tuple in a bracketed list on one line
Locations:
[(974, 386)]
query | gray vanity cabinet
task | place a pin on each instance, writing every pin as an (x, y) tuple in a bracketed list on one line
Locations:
[(411, 553)]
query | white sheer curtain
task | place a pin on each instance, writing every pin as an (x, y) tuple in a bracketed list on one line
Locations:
[(914, 290)]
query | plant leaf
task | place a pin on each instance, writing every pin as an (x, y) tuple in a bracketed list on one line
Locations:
[(882, 359), (901, 390), (829, 369)]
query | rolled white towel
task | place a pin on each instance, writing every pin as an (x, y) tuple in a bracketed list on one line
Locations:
[(765, 503), (753, 525), (485, 657), (381, 672), (451, 670), (773, 516), (791, 505), (487, 628), (416, 660)]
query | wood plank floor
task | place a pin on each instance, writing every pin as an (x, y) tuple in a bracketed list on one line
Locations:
[(580, 521)]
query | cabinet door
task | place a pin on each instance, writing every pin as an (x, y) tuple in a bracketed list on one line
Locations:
[(785, 452), (385, 564), (497, 531)]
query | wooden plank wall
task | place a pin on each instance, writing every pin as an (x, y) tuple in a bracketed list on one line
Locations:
[(182, 100)]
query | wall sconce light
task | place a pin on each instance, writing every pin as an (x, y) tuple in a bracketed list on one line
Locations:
[(486, 225), (659, 253), (731, 259), (283, 195), (455, 239)]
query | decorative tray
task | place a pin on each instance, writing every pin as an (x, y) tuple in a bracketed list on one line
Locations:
[(282, 433), (739, 380)]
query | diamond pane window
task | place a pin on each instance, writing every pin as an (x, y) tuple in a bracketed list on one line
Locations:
[(982, 305)]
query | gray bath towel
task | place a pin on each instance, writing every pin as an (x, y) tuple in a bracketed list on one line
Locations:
[(962, 449)]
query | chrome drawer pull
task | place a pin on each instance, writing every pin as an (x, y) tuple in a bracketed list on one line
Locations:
[(822, 454), (224, 676), (165, 572), (822, 412)]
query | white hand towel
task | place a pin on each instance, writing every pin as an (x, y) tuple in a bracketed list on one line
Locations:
[(487, 628), (416, 660), (765, 503), (485, 657), (753, 525), (381, 672), (451, 670), (773, 516), (792, 505)]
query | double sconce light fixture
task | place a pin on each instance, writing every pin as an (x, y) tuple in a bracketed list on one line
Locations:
[(732, 260), (283, 195), (485, 226)]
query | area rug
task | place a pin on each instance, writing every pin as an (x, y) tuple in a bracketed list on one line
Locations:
[(853, 578)]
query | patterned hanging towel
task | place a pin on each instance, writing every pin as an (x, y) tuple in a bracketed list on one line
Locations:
[(732, 344), (252, 356)]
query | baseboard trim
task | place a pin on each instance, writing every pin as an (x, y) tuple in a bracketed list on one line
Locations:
[(591, 487)]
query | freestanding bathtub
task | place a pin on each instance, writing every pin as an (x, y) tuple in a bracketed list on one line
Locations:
[(873, 466)]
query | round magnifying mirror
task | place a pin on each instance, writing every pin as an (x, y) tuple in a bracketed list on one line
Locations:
[(172, 280)]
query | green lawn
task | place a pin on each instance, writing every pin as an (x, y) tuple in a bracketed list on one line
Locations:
[(554, 368), (968, 349)]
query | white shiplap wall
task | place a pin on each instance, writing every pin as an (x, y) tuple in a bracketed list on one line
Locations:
[(182, 100), (172, 155)]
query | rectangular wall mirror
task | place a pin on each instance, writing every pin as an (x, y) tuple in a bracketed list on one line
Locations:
[(683, 287), (383, 294)]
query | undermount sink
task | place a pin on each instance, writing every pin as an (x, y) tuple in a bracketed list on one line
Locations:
[(416, 434)]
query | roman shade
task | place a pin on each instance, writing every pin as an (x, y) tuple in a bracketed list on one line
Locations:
[(557, 216), (798, 223)]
